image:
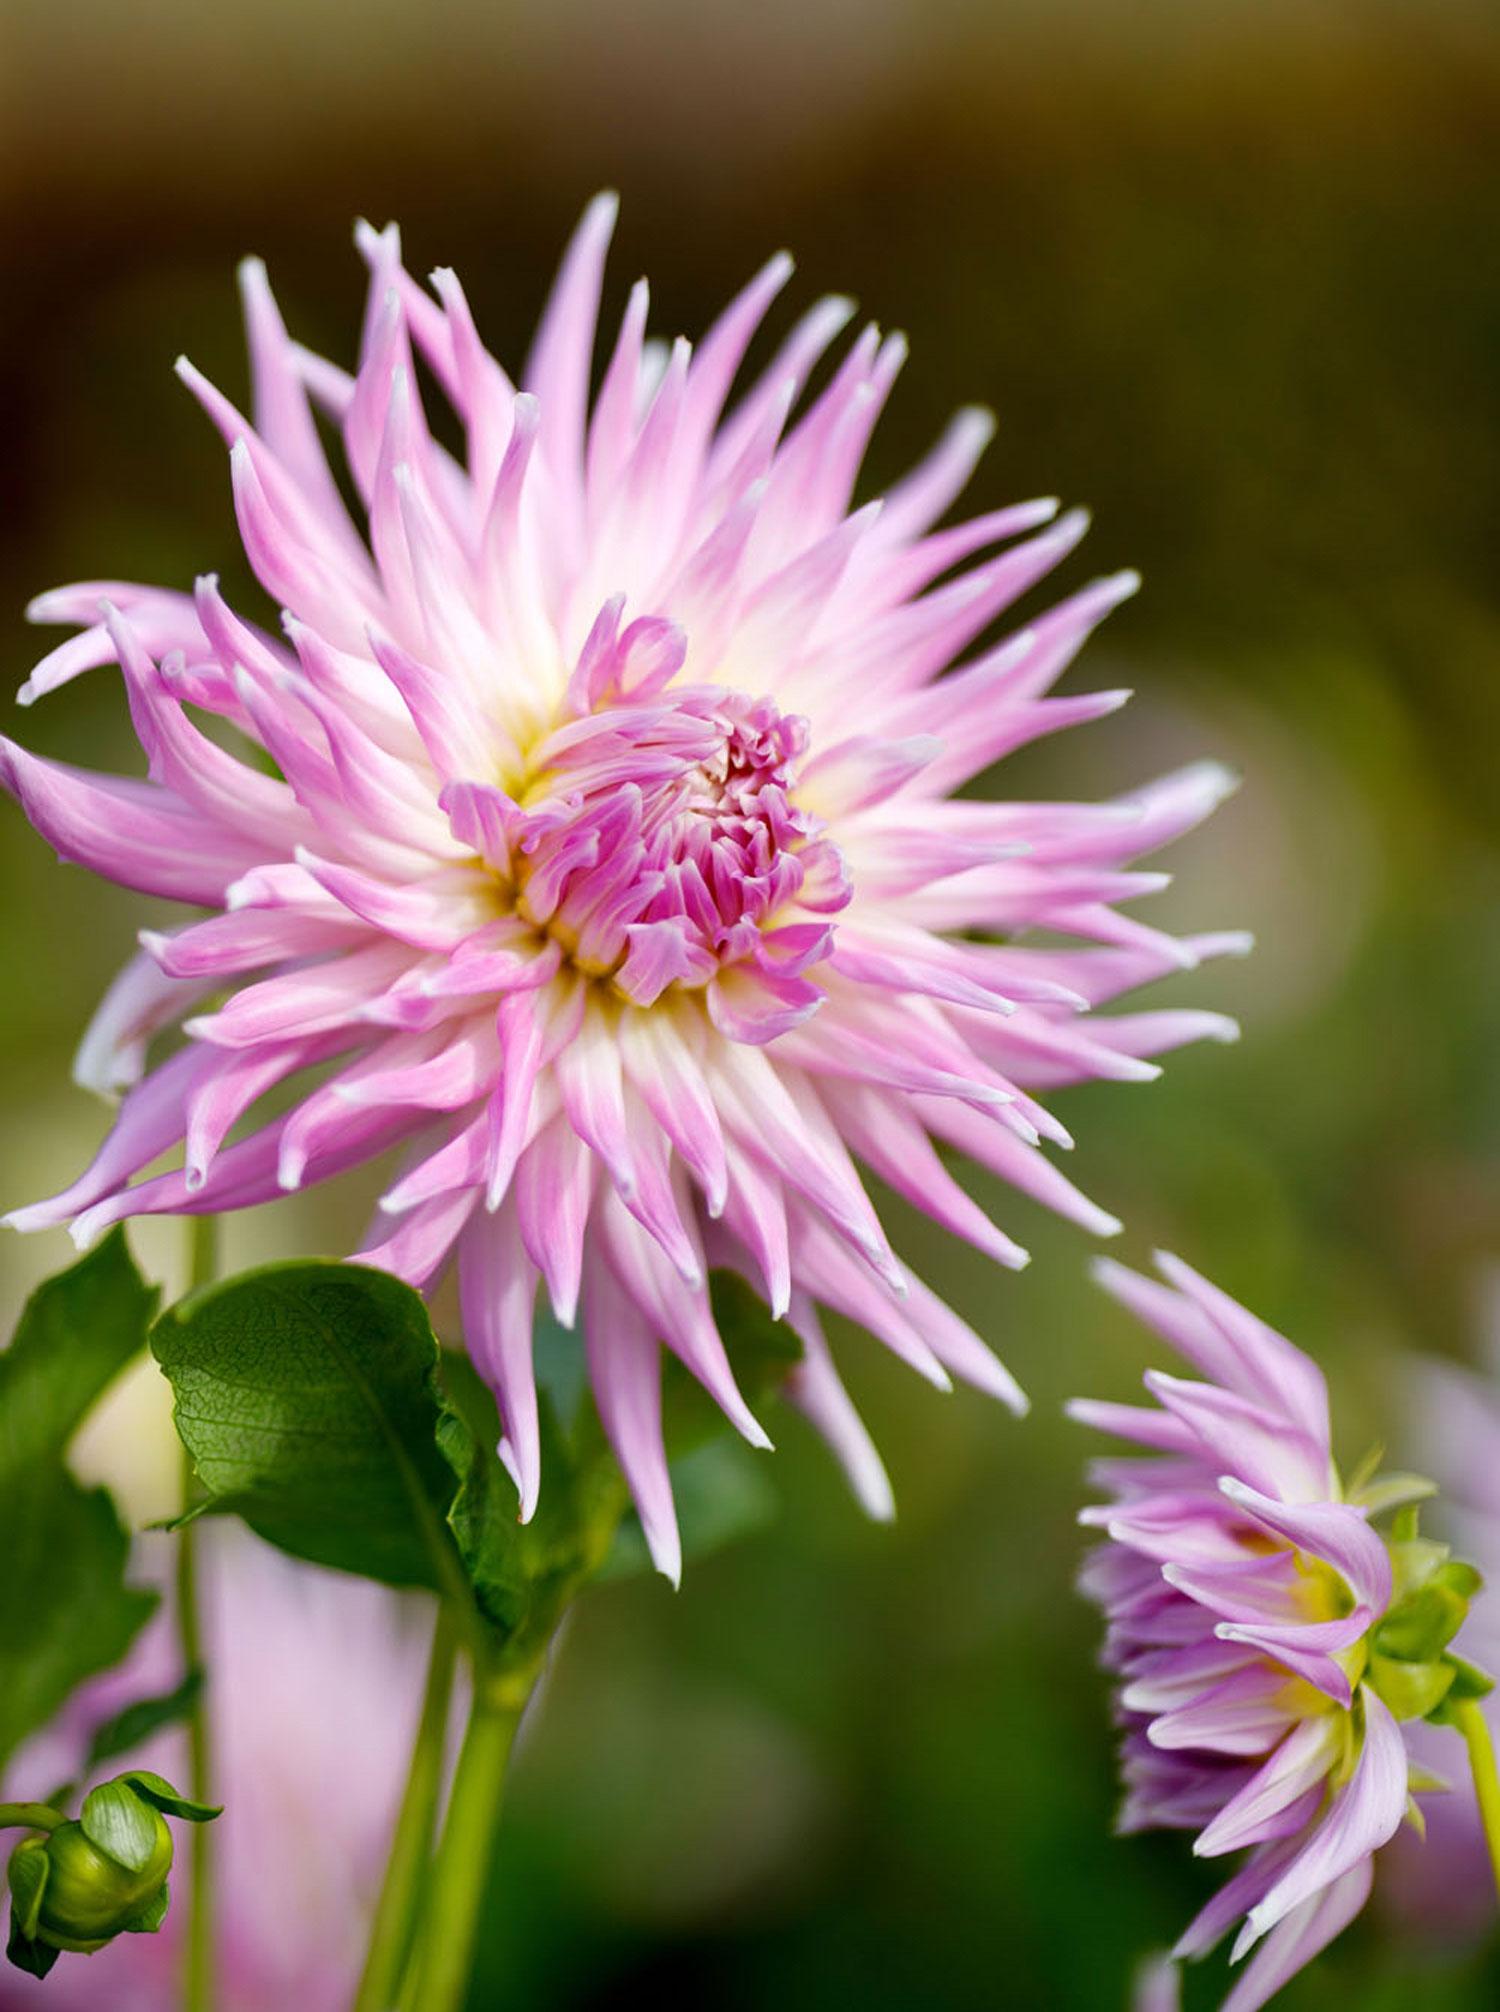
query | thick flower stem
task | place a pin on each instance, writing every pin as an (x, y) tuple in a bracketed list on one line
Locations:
[(1470, 1721), (461, 1869), (198, 1956), (402, 1893)]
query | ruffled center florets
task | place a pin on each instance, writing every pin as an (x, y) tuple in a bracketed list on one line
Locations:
[(658, 839)]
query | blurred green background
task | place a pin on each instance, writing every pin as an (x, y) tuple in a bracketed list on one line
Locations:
[(1229, 274)]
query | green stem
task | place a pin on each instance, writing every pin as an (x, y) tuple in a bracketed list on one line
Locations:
[(401, 1892), (1470, 1721), (461, 1869), (198, 1957), (30, 1816)]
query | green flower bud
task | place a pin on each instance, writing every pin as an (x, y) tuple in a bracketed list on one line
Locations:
[(88, 1897), (96, 1877)]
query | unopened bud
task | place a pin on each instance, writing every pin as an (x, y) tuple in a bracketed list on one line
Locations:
[(100, 1875)]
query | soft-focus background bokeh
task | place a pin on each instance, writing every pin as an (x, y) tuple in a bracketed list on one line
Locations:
[(1228, 272)]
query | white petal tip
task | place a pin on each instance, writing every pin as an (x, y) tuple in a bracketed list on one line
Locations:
[(1111, 1274), (666, 1555)]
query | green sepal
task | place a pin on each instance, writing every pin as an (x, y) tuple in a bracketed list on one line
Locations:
[(1469, 1685), (1414, 1561), (120, 1823), (27, 1954), (1364, 1473), (1412, 1690), (1425, 1622), (156, 1790), (137, 1722), (1427, 1781), (1378, 1494), (30, 1869), (152, 1915)]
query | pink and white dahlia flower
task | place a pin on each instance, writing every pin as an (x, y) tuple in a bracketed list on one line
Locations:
[(609, 864), (1244, 1592)]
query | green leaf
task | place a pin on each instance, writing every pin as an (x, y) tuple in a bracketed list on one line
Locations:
[(159, 1792), (152, 1915), (65, 1610), (305, 1396), (29, 1870), (723, 1493), (523, 1574), (35, 1958), (76, 1334), (123, 1826), (134, 1725)]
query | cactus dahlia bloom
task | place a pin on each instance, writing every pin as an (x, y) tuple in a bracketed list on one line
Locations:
[(1267, 1639), (609, 865)]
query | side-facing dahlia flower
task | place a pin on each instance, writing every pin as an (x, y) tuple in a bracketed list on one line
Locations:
[(609, 864), (1267, 1640)]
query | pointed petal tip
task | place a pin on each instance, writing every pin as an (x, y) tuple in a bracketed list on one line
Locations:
[(1115, 1278), (665, 1547)]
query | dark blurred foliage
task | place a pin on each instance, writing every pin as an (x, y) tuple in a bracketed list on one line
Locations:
[(1226, 272)]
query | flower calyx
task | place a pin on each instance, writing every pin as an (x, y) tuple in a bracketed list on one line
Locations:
[(1410, 1662)]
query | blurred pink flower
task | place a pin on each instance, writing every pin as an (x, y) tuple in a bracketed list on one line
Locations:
[(611, 867), (1240, 1588), (313, 1702)]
